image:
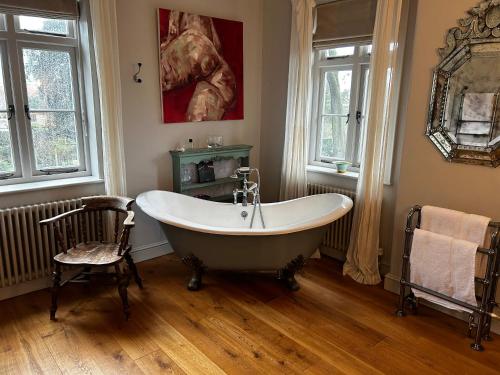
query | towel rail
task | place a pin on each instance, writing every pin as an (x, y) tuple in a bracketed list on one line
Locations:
[(481, 314)]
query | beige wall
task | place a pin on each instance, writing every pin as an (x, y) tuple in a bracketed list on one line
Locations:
[(424, 176), (275, 56), (147, 140)]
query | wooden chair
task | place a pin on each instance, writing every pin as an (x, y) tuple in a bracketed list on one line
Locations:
[(88, 254)]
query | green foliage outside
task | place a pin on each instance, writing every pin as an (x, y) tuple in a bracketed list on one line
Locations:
[(50, 95)]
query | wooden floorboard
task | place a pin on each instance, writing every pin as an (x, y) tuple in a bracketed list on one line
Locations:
[(237, 324)]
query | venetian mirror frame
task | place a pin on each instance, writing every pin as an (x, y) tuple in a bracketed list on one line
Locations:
[(464, 111)]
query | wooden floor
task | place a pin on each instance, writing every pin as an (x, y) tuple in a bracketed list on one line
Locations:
[(237, 324)]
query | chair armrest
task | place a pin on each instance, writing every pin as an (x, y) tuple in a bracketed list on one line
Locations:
[(129, 220), (128, 224), (61, 216)]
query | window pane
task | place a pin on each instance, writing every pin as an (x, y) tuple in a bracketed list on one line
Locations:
[(337, 86), (55, 140), (339, 52), (44, 25), (48, 79), (6, 159), (3, 99), (333, 137)]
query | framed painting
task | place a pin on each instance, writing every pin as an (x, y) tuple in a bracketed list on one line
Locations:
[(201, 67)]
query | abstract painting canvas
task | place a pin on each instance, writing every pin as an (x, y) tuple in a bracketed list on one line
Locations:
[(201, 67)]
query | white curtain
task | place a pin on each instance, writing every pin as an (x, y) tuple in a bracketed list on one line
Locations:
[(363, 252), (108, 72), (293, 174)]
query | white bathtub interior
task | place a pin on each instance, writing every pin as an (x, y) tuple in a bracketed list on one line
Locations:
[(225, 218)]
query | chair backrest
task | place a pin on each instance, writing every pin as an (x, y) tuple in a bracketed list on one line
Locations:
[(102, 203)]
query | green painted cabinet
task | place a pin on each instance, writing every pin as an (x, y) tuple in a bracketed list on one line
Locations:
[(180, 159)]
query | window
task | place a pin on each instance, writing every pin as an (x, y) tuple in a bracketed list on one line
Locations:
[(340, 90), (42, 127)]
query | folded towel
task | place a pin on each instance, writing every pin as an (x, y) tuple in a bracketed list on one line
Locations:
[(455, 224), (445, 265), (460, 225)]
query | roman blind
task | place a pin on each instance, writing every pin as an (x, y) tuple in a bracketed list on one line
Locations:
[(344, 21), (41, 8)]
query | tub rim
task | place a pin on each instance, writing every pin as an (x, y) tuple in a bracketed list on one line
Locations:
[(344, 207)]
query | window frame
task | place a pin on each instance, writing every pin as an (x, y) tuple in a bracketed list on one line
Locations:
[(358, 63), (14, 41), (12, 125)]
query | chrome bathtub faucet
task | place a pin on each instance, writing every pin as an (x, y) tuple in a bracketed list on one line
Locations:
[(249, 187)]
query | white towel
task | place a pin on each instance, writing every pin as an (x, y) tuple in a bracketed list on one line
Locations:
[(455, 224), (445, 265), (460, 225)]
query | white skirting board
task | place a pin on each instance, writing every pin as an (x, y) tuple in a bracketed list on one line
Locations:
[(150, 251), (391, 283), (139, 254)]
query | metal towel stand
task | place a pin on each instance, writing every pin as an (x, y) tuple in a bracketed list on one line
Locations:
[(481, 315)]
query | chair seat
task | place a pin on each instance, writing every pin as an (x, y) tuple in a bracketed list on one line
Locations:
[(91, 253)]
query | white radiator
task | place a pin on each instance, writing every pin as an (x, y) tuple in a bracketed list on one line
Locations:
[(336, 240), (27, 249)]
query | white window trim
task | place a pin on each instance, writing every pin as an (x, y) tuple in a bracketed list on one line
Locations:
[(87, 105), (49, 184), (355, 132), (350, 174)]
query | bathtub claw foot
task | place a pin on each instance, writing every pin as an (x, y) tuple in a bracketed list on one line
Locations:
[(195, 283), (287, 274), (291, 283), (197, 266)]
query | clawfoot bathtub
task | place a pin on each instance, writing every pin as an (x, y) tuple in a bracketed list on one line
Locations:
[(218, 236)]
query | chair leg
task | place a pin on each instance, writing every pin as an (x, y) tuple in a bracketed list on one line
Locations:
[(133, 268), (123, 279), (87, 270), (56, 282)]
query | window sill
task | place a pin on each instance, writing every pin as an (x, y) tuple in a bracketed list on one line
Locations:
[(51, 184), (331, 171)]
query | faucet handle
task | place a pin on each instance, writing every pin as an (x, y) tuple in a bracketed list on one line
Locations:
[(241, 171), (252, 187)]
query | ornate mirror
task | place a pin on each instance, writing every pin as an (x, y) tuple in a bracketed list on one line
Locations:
[(464, 112)]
